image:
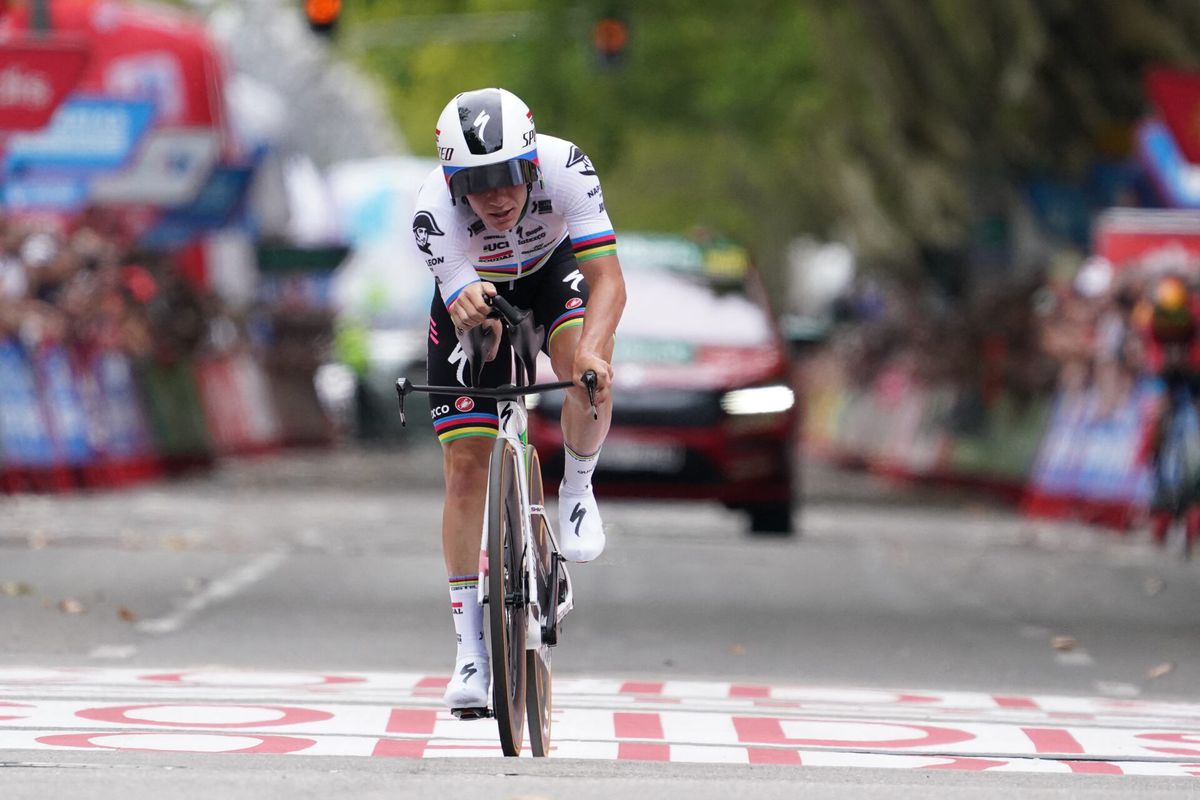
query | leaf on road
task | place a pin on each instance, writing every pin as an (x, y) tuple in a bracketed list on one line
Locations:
[(15, 589), (1160, 670), (126, 615), (1153, 586), (70, 606), (1064, 644), (38, 540), (737, 649)]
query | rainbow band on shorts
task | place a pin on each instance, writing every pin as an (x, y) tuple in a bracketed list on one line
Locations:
[(571, 319), (595, 245), (460, 426)]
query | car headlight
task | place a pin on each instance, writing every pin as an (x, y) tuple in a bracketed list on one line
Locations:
[(758, 400)]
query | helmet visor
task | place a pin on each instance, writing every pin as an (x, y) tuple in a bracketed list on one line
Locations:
[(471, 180)]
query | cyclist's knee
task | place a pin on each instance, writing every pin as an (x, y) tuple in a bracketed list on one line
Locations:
[(465, 462)]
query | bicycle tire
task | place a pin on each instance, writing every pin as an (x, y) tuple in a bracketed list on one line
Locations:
[(538, 687), (506, 615)]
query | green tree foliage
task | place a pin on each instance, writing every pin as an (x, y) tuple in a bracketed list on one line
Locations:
[(897, 123)]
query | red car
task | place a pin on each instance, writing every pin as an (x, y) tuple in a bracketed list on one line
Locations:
[(703, 405)]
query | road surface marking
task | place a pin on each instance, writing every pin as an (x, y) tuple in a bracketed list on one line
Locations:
[(219, 590), (400, 715)]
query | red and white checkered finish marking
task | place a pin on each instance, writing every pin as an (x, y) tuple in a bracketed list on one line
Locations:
[(400, 715)]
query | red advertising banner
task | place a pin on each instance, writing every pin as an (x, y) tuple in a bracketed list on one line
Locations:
[(35, 77), (1176, 94), (1142, 237)]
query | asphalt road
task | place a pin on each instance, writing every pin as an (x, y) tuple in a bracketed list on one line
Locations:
[(329, 564)]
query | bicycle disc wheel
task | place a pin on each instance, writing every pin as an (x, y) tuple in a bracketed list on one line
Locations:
[(537, 662), (506, 605)]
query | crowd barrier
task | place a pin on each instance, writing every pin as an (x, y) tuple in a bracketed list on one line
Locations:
[(86, 418), (1077, 455)]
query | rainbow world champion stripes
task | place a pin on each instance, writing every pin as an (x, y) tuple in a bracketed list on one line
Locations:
[(460, 426), (595, 245)]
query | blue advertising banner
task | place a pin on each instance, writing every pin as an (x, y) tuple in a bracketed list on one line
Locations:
[(50, 193), (213, 208), (87, 134), (1176, 178)]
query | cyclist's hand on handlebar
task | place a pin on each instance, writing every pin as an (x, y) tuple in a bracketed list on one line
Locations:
[(469, 309), (585, 361)]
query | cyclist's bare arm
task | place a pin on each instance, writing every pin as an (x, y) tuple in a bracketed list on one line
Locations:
[(606, 301)]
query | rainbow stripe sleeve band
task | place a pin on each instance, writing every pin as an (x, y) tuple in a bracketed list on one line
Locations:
[(594, 245)]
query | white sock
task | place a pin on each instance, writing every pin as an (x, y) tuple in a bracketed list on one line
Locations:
[(577, 470), (468, 614)]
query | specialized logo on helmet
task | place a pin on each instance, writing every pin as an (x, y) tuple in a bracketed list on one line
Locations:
[(482, 121), (425, 226), (464, 404), (575, 302), (579, 157)]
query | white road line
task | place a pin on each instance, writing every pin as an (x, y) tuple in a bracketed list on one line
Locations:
[(1074, 658), (221, 589), (1116, 689), (113, 651)]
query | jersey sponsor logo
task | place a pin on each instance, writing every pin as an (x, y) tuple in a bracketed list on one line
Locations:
[(488, 259), (424, 226), (437, 411), (492, 246), (433, 262), (476, 227), (464, 404), (575, 302), (543, 207), (595, 191), (579, 157), (575, 278), (533, 237)]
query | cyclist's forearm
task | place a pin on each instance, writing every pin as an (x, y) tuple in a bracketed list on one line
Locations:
[(606, 301)]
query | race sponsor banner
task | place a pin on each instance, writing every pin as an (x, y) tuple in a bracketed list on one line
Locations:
[(213, 208), (25, 440), (1129, 237), (1177, 96), (88, 134), (237, 404), (1093, 455), (1176, 179), (170, 169), (63, 406), (35, 77)]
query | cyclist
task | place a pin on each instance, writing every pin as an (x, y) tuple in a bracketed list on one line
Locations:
[(513, 212), (1169, 322)]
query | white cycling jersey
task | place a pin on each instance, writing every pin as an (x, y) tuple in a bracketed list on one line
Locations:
[(460, 248)]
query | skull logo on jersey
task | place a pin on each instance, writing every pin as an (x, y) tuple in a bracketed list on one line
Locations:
[(425, 226)]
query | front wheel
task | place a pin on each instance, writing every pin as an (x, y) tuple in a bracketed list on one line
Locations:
[(506, 596), (538, 691)]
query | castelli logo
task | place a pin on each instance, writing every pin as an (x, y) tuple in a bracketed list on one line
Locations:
[(575, 302), (24, 89), (464, 404)]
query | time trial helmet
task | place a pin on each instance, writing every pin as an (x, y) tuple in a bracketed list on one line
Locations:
[(486, 140)]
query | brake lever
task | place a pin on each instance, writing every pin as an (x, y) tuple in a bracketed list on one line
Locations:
[(589, 382), (403, 387)]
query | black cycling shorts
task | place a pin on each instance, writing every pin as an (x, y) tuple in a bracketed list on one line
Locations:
[(557, 294)]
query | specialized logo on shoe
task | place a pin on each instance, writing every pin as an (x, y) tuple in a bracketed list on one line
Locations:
[(464, 404), (577, 515), (575, 302), (468, 671)]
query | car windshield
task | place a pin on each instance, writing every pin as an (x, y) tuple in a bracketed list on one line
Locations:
[(672, 306)]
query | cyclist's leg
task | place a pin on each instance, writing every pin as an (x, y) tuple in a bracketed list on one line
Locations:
[(561, 306), (466, 428)]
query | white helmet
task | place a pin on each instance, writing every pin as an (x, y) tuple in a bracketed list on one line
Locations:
[(486, 140)]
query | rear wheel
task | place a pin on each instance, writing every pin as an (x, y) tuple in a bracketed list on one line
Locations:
[(538, 690), (506, 597)]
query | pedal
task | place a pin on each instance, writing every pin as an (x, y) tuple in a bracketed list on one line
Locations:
[(471, 713)]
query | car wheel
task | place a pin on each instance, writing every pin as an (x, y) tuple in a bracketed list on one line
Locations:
[(771, 519)]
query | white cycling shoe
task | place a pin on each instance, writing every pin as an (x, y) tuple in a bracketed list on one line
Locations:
[(468, 687), (580, 531)]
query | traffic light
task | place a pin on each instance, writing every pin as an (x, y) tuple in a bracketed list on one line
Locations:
[(322, 15), (609, 38)]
